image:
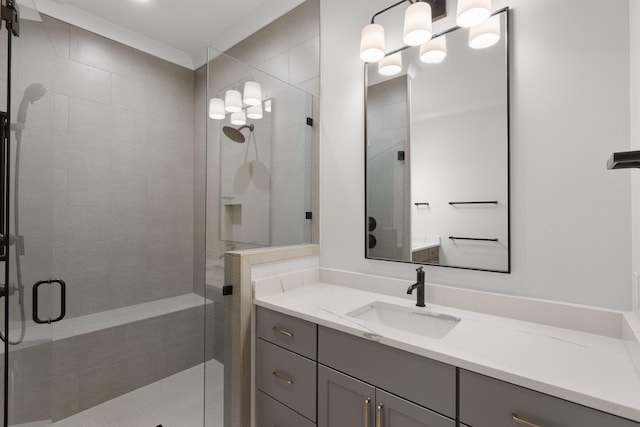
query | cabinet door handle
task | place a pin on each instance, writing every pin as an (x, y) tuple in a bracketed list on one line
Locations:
[(366, 412), (280, 331), (522, 422), (379, 415), (282, 379)]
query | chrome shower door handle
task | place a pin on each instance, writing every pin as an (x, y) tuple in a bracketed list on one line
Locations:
[(63, 301)]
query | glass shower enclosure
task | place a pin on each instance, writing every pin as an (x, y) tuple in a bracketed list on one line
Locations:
[(105, 315)]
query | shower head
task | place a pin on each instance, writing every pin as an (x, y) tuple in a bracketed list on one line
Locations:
[(34, 92), (235, 134)]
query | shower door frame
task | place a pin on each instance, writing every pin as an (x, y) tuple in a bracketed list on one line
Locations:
[(10, 17)]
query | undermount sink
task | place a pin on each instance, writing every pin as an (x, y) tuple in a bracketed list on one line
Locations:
[(413, 320)]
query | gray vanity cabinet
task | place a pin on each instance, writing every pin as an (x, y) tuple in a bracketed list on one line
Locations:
[(286, 371), (487, 402), (426, 382), (344, 401)]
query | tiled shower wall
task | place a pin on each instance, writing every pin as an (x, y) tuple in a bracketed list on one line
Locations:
[(106, 185)]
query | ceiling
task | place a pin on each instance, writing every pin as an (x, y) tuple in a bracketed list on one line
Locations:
[(178, 31)]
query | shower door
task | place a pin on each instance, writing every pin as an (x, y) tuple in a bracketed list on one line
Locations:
[(28, 291)]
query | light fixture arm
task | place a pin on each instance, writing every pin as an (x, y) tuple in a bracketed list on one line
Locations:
[(373, 18), (439, 6)]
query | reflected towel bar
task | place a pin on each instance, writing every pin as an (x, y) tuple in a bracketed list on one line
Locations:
[(421, 204), (472, 238), (492, 202)]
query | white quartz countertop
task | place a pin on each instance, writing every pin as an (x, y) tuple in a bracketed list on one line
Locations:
[(584, 368)]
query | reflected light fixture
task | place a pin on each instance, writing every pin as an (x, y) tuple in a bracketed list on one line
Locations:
[(216, 109), (486, 34), (255, 112), (239, 118), (252, 94), (417, 24), (267, 105), (233, 101), (390, 65), (472, 12), (434, 51)]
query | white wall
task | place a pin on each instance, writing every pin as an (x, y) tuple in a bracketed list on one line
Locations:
[(634, 49), (571, 218)]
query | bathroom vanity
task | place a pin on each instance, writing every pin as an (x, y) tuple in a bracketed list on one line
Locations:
[(323, 359)]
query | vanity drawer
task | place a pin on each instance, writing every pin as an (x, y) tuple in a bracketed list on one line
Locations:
[(289, 332), (487, 402), (287, 377), (420, 380), (271, 413)]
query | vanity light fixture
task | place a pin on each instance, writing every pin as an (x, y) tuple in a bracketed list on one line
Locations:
[(417, 27), (390, 65), (267, 105), (434, 51), (417, 24), (472, 12), (486, 34)]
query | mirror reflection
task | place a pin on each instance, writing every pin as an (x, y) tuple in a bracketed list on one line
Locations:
[(437, 153)]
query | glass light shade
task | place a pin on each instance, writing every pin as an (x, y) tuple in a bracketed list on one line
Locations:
[(252, 93), (216, 109), (486, 34), (390, 65), (254, 112), (434, 51), (267, 105), (472, 12), (417, 24), (372, 43), (239, 118), (233, 101)]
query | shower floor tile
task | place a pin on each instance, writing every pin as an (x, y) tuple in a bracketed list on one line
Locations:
[(175, 401)]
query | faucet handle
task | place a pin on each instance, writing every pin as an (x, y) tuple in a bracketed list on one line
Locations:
[(419, 269)]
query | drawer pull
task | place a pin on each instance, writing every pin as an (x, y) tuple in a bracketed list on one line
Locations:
[(282, 379), (379, 415), (280, 331), (366, 412), (522, 422)]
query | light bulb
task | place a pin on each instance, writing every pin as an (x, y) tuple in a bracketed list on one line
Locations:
[(390, 65), (239, 118), (486, 34), (233, 101), (252, 93), (216, 109), (372, 43), (417, 24), (434, 51), (472, 12)]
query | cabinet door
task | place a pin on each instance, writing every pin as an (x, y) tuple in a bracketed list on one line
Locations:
[(397, 412), (344, 401), (487, 402)]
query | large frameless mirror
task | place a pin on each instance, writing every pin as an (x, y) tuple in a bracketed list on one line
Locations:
[(437, 153)]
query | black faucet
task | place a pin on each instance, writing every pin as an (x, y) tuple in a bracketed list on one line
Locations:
[(419, 285)]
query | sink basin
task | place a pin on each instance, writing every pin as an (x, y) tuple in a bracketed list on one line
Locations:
[(413, 320)]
